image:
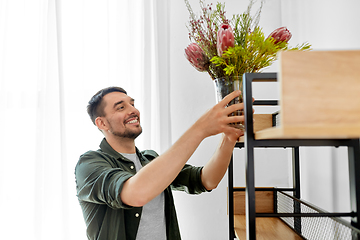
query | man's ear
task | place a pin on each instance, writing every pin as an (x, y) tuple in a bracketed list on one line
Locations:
[(101, 123)]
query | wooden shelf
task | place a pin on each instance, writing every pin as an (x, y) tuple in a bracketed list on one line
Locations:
[(309, 132), (261, 122), (313, 132), (264, 201), (318, 96), (266, 229)]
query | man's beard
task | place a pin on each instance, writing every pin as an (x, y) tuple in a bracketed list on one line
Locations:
[(131, 134)]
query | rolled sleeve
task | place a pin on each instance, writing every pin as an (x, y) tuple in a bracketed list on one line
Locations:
[(98, 181), (189, 180)]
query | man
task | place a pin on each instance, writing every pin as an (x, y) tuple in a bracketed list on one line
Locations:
[(125, 193)]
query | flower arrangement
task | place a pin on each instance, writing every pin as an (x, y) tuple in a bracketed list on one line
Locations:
[(224, 47)]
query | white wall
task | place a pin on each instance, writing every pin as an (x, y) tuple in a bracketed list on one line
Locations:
[(326, 25)]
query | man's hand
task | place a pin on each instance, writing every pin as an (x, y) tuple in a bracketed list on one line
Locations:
[(217, 119), (214, 170)]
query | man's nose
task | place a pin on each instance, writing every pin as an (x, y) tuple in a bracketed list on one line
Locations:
[(133, 110)]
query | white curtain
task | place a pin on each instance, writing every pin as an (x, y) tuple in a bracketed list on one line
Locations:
[(54, 55)]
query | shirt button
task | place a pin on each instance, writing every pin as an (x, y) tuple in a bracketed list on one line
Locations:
[(137, 215), (132, 167)]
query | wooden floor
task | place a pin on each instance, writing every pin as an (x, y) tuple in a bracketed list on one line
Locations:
[(266, 229)]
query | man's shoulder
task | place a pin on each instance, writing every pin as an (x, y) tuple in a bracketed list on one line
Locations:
[(149, 154), (93, 153), (95, 156)]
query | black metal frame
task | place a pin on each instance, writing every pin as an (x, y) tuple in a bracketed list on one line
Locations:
[(250, 143)]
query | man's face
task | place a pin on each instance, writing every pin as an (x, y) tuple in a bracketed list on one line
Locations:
[(122, 118)]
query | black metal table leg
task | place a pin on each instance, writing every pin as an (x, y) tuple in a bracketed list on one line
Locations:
[(249, 159), (354, 175), (296, 186), (250, 193), (231, 199)]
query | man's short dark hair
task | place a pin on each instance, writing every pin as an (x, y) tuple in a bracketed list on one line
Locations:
[(96, 105)]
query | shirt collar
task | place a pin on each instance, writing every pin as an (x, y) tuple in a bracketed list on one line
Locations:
[(105, 147)]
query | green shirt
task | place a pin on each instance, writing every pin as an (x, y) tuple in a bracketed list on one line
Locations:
[(100, 176)]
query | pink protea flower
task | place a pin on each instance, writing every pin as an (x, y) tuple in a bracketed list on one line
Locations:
[(197, 57), (281, 34), (225, 39)]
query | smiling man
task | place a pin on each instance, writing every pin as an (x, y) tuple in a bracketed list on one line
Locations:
[(126, 193)]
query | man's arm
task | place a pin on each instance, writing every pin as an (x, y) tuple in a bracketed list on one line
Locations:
[(216, 167), (155, 177)]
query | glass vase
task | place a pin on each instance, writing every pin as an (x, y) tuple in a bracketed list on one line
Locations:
[(226, 85)]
